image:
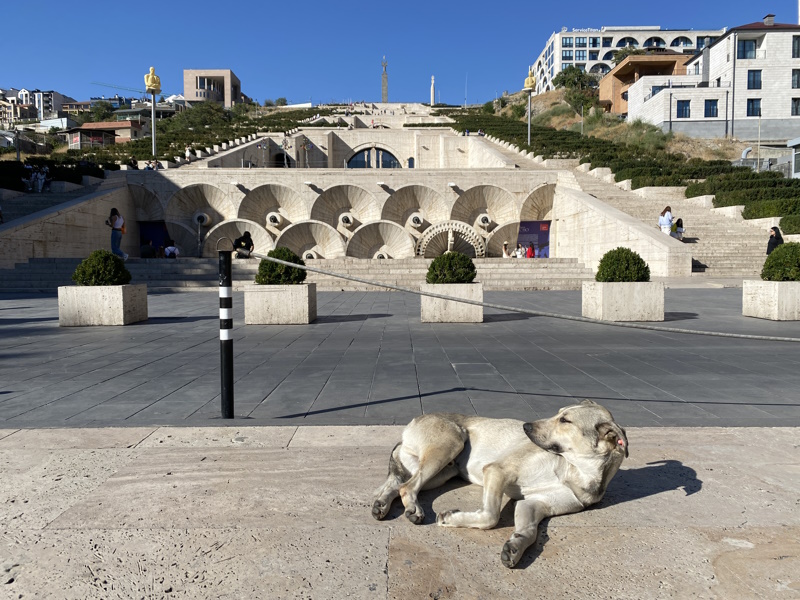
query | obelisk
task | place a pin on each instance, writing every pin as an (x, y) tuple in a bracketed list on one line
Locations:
[(384, 83), (433, 93)]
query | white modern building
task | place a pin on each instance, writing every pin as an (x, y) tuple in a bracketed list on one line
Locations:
[(593, 50), (746, 85)]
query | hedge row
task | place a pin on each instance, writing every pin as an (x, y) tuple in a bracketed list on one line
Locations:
[(772, 208)]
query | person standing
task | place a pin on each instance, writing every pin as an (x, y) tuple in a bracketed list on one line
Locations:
[(520, 251), (505, 250), (531, 251), (665, 220), (117, 224), (775, 239)]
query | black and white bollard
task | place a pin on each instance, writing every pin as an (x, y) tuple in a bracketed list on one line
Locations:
[(226, 333)]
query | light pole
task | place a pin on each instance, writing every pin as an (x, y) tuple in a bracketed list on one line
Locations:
[(530, 83), (152, 83), (758, 148)]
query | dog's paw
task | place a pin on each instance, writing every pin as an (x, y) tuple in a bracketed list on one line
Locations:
[(510, 554), (415, 514), (445, 519), (379, 509)]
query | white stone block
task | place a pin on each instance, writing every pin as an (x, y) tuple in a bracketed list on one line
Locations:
[(732, 212), (625, 184), (280, 304), (89, 180), (623, 301), (584, 167), (61, 187), (437, 310), (773, 300), (82, 305)]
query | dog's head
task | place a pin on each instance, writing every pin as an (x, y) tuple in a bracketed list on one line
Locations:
[(585, 429)]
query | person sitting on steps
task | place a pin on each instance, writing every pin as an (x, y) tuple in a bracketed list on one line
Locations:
[(244, 245)]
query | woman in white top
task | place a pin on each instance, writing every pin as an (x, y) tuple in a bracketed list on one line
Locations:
[(506, 253), (665, 220), (116, 222)]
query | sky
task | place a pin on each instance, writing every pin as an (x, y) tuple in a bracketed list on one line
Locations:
[(321, 51)]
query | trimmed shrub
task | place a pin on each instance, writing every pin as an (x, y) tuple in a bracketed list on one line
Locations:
[(783, 264), (790, 224), (272, 273), (451, 267), (102, 267), (622, 264)]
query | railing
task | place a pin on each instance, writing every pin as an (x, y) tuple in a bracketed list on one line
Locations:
[(700, 84)]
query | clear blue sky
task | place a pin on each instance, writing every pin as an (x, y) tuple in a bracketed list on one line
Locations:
[(321, 51)]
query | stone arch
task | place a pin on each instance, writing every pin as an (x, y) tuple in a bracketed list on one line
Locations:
[(314, 236), (339, 199), (415, 199), (655, 42), (681, 41), (601, 68), (202, 197), (507, 233), (500, 205), (272, 197), (539, 204), (435, 241), (378, 146), (608, 55), (384, 237), (148, 206), (184, 237), (233, 229), (628, 41)]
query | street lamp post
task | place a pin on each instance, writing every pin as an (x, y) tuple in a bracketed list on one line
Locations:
[(152, 83), (530, 83)]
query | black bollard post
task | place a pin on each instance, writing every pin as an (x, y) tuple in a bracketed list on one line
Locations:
[(226, 333)]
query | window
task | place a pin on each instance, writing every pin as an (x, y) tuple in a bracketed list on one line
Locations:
[(711, 108), (608, 42), (754, 107), (565, 66), (566, 42), (796, 46), (684, 110), (580, 54), (796, 107), (746, 49), (594, 42), (581, 67), (566, 55), (593, 55), (580, 42), (795, 79), (754, 80)]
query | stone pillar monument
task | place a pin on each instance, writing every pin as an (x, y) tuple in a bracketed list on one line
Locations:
[(433, 93), (384, 83)]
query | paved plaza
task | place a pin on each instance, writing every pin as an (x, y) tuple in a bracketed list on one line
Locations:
[(118, 479), (369, 361)]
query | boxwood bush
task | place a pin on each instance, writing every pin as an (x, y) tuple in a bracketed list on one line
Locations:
[(783, 264), (622, 264), (272, 273), (102, 267), (790, 224), (451, 267)]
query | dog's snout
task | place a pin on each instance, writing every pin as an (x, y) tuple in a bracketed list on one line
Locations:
[(528, 428)]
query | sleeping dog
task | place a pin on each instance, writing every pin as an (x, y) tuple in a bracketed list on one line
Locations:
[(550, 467)]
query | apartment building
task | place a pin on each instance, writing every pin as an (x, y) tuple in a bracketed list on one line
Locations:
[(746, 85), (212, 85), (593, 50)]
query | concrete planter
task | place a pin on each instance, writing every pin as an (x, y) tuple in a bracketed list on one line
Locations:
[(280, 304), (773, 300), (437, 310), (639, 301), (82, 305)]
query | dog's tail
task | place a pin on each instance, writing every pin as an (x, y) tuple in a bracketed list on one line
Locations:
[(396, 467)]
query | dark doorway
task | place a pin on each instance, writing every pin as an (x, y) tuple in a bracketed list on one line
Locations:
[(155, 231)]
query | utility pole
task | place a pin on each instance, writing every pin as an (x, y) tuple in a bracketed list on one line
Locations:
[(16, 142)]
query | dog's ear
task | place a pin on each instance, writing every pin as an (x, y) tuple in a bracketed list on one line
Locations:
[(587, 402), (613, 434)]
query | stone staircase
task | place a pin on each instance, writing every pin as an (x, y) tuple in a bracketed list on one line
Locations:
[(44, 275), (27, 204), (721, 246)]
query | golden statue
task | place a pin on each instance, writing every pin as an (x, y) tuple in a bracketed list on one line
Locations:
[(152, 82), (530, 80)]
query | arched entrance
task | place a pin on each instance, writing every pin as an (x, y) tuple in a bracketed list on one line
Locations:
[(451, 236)]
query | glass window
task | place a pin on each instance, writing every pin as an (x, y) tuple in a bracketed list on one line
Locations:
[(795, 107), (594, 42), (581, 67), (754, 107), (684, 110), (754, 80), (593, 55), (580, 42), (711, 108), (608, 42), (566, 55), (565, 66), (580, 54), (796, 46), (566, 42), (795, 79), (609, 55), (746, 49)]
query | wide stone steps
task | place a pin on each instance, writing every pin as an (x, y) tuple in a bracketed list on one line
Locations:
[(193, 274)]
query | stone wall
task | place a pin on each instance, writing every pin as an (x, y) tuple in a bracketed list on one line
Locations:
[(75, 230)]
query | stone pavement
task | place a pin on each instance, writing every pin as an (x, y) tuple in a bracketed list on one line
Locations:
[(119, 480), (369, 361)]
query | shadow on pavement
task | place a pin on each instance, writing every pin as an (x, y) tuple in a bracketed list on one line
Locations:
[(655, 478), (679, 316), (348, 318)]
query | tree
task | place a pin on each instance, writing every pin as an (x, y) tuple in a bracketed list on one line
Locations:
[(625, 52), (574, 78), (102, 111), (269, 102), (281, 102)]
